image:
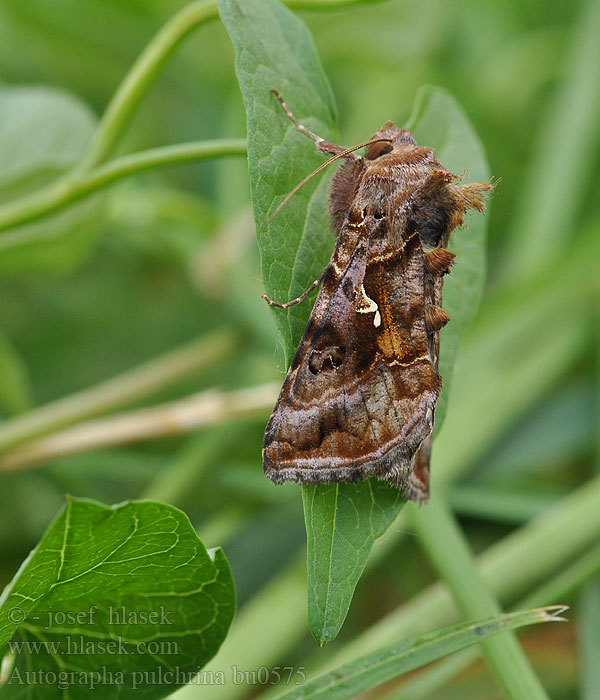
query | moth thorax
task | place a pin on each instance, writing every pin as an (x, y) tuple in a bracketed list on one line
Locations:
[(378, 149)]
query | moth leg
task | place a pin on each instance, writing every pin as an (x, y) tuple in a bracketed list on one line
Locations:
[(322, 145), (299, 299)]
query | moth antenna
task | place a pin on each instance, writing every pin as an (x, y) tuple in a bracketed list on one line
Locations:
[(318, 170)]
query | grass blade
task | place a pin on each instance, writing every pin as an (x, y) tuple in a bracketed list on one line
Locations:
[(445, 543), (590, 641), (391, 662)]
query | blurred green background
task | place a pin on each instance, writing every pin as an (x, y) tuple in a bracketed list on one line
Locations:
[(168, 257)]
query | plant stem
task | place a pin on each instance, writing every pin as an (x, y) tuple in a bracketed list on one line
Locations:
[(164, 420), (118, 391), (140, 77), (159, 158), (87, 177), (68, 190), (589, 641), (558, 587)]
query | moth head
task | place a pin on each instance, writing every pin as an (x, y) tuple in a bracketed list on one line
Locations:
[(398, 139)]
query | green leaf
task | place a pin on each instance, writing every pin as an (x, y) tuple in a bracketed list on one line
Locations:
[(342, 523), (296, 246), (392, 661), (126, 593), (274, 50), (43, 133)]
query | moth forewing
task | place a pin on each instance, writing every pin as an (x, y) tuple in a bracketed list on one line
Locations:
[(359, 398)]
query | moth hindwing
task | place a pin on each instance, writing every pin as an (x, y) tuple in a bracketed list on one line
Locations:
[(359, 397)]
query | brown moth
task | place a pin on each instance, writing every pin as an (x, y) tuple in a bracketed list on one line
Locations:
[(359, 398)]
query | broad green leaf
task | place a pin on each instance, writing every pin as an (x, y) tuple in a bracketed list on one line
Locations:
[(43, 132), (342, 523), (273, 50), (127, 593), (372, 670)]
